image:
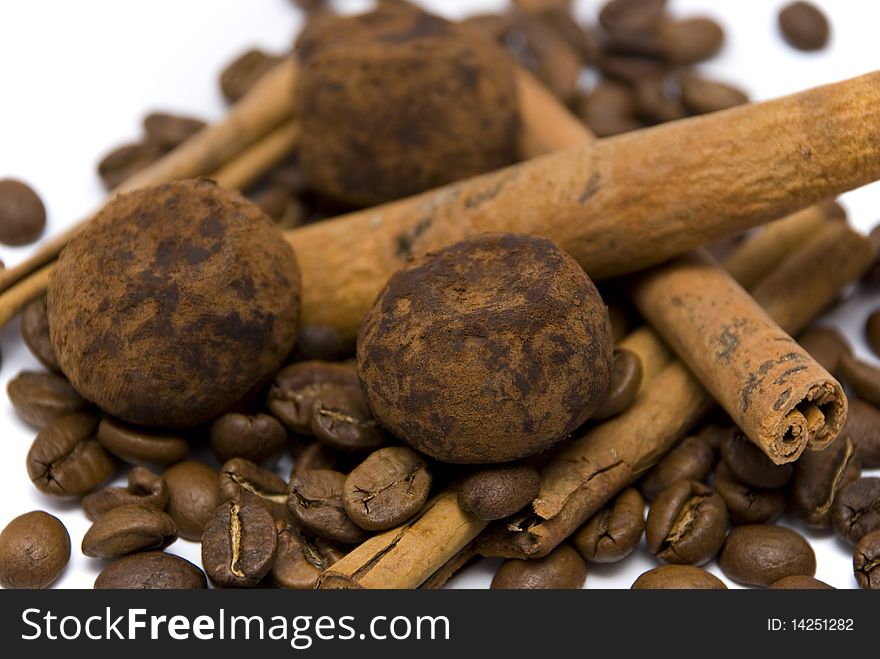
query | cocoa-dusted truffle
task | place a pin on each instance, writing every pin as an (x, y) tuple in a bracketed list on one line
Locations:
[(173, 303), (489, 350), (398, 101)]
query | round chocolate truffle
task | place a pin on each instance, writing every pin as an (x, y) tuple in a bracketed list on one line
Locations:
[(398, 101), (489, 350), (173, 303)]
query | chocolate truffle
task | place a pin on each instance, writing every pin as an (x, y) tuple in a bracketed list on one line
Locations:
[(173, 303), (398, 101), (489, 350)]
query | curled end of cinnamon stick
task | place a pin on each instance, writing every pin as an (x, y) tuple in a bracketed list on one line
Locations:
[(812, 422)]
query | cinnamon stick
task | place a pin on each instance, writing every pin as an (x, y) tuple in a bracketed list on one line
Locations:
[(770, 386)]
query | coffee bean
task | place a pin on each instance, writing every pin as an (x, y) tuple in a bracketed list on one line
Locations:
[(609, 109), (872, 276), (321, 343), (341, 418), (238, 545), (168, 130), (872, 331), (152, 570), (750, 465), (301, 558), (826, 345), (315, 501), (144, 488), (863, 427), (35, 333), (245, 483), (799, 582), (387, 488), (626, 379), (866, 561), (129, 529), (630, 68), (614, 532), (759, 554), (691, 40), (40, 398), (715, 434), (562, 568), (562, 22), (66, 460), (643, 43), (319, 456), (678, 577), (127, 160), (804, 26), (498, 491), (691, 460), (703, 96), (856, 510), (659, 100), (193, 496), (255, 437), (281, 205), (632, 15), (22, 214), (138, 445), (686, 524), (243, 72), (747, 504), (862, 377), (820, 475), (34, 550), (295, 389)]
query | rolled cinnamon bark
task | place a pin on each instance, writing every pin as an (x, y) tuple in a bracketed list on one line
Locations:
[(617, 205), (771, 387)]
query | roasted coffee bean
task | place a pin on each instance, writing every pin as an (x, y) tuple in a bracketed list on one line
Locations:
[(804, 26), (152, 570), (691, 40), (255, 437), (750, 465), (703, 96), (493, 26), (35, 333), (498, 491), (747, 504), (678, 577), (387, 488), (826, 345), (300, 558), (319, 456), (170, 130), (714, 434), (626, 378), (243, 72), (686, 524), (238, 545), (632, 15), (799, 582), (760, 554), (22, 214), (659, 100), (866, 561), (609, 109), (245, 483), (34, 550), (321, 343), (691, 460), (613, 532), (283, 207), (856, 510), (872, 277), (862, 377), (562, 568), (66, 459), (295, 389), (193, 496), (872, 331), (138, 445), (40, 398), (630, 68), (646, 44), (315, 501), (144, 488), (127, 160), (341, 418), (820, 475), (129, 529), (863, 427), (563, 23)]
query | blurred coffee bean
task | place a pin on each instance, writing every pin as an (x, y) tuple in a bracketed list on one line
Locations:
[(169, 130), (703, 96), (804, 26)]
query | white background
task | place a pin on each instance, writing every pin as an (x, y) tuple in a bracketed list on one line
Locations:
[(77, 77)]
